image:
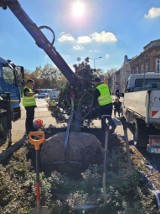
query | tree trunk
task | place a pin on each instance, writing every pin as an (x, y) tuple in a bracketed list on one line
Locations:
[(77, 120)]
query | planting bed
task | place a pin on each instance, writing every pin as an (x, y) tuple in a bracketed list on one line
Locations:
[(127, 192)]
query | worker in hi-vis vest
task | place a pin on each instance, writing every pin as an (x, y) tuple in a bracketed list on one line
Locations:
[(103, 98), (29, 102)]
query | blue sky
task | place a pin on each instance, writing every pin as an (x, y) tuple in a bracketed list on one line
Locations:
[(99, 28)]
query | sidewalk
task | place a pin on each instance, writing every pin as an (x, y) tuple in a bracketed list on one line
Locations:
[(41, 112)]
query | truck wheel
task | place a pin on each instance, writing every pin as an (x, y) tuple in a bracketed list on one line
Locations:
[(140, 134)]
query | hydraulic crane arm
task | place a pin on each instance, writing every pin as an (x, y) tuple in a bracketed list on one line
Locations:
[(40, 38)]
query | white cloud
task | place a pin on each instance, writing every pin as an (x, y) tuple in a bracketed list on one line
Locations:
[(66, 37), (98, 37), (78, 47), (153, 13), (84, 39), (104, 37)]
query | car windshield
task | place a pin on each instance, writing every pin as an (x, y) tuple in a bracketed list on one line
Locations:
[(149, 83)]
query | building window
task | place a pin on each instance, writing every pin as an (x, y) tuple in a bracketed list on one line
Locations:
[(146, 66), (158, 65), (142, 67)]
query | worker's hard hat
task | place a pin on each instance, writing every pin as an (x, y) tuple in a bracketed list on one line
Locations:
[(97, 79), (38, 123)]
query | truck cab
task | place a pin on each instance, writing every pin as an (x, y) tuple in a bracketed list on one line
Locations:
[(139, 82), (11, 81)]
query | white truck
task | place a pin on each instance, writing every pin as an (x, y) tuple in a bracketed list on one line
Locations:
[(141, 109)]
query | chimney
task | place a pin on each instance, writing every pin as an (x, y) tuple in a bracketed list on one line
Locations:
[(125, 58)]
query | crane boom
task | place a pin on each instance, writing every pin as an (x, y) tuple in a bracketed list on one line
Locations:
[(40, 38)]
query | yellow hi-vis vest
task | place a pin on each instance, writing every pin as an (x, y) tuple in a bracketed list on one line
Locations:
[(28, 101), (105, 97)]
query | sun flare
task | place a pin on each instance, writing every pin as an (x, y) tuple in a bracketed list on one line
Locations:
[(78, 9)]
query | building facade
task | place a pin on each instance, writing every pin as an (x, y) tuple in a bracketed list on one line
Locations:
[(146, 61)]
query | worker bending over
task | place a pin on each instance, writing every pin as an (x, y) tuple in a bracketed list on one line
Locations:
[(102, 98)]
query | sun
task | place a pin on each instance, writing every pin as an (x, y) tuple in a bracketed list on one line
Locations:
[(78, 9)]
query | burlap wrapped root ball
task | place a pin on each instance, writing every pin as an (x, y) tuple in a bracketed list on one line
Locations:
[(83, 149)]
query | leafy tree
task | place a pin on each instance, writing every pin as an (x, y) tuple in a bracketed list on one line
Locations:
[(47, 77)]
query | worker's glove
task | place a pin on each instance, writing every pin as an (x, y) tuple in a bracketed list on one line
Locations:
[(36, 91)]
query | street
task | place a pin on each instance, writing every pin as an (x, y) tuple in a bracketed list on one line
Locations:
[(42, 112)]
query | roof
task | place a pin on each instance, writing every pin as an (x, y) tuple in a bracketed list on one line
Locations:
[(2, 61)]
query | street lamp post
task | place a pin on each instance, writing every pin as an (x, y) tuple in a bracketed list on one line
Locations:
[(94, 60)]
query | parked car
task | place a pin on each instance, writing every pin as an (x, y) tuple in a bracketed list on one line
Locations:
[(54, 95), (41, 95), (52, 99)]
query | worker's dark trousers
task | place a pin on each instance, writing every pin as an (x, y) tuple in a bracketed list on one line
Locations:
[(106, 110), (117, 111), (29, 118), (110, 122)]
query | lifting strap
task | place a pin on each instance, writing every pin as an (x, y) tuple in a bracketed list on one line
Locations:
[(69, 124)]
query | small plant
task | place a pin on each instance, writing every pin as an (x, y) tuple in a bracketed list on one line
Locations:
[(92, 179), (17, 185), (63, 195)]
